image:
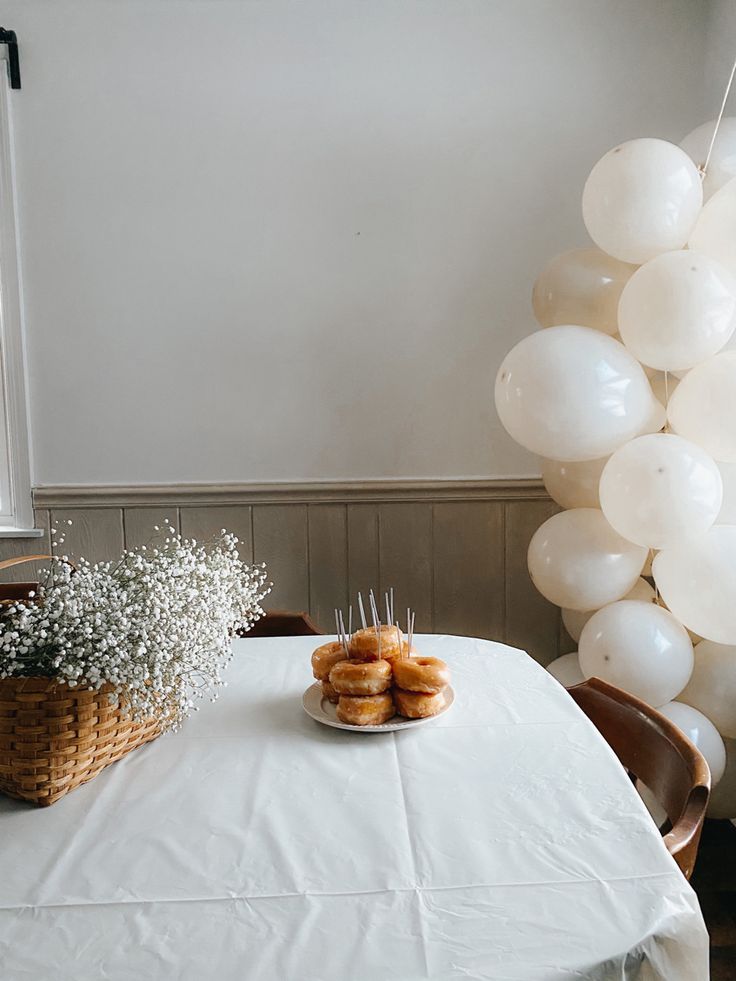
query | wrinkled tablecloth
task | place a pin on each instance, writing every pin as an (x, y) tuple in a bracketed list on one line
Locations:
[(501, 841)]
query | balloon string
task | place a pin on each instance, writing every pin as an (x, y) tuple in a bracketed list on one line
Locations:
[(718, 123), (666, 429)]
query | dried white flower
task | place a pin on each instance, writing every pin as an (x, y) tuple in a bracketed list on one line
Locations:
[(156, 625)]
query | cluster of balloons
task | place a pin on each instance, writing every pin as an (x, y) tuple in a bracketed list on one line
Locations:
[(628, 393)]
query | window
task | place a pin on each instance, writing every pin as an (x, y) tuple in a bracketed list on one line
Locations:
[(16, 511)]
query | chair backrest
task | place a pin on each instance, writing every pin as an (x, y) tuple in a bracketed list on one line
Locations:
[(653, 749), (284, 623)]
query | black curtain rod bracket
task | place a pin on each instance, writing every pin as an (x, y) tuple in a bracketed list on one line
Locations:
[(9, 38)]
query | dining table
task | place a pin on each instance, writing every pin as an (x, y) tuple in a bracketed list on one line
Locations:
[(502, 840)]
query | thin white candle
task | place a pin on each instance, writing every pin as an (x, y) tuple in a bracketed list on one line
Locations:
[(344, 636)]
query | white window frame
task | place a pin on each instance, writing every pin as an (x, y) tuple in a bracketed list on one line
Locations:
[(16, 503)]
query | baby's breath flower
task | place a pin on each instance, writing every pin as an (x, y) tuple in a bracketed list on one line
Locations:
[(154, 626)]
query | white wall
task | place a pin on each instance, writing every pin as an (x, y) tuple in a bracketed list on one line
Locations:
[(269, 240), (721, 53)]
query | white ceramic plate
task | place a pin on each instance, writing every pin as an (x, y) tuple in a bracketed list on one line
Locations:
[(322, 710)]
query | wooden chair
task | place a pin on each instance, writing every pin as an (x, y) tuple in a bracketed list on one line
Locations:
[(283, 623), (653, 749)]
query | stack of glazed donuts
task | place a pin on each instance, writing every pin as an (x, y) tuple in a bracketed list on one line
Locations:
[(371, 676)]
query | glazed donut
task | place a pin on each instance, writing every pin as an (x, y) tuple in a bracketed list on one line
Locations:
[(361, 677), (369, 710), (364, 644), (325, 658), (418, 704), (329, 693), (422, 674)]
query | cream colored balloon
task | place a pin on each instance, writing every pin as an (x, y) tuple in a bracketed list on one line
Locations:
[(573, 485), (697, 581), (647, 570), (576, 560), (642, 591), (722, 163), (638, 647), (575, 620), (722, 803), (657, 812), (702, 408), (661, 390), (700, 731), (713, 234), (677, 310), (663, 384), (712, 687), (583, 287), (727, 514), (656, 420), (695, 638), (641, 199), (659, 490), (572, 393), (566, 670)]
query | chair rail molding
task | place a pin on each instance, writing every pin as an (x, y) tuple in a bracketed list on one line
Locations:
[(287, 492)]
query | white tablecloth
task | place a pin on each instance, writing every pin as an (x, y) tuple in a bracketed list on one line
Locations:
[(501, 841)]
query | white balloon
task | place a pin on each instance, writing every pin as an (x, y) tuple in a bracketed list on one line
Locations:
[(573, 484), (663, 384), (678, 310), (566, 670), (702, 407), (647, 570), (697, 581), (642, 198), (575, 620), (572, 393), (712, 687), (577, 560), (643, 591), (727, 514), (700, 731), (713, 234), (656, 421), (583, 287), (695, 638), (657, 812), (638, 647), (660, 490), (722, 802), (722, 163)]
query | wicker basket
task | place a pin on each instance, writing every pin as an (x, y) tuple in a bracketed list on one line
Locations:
[(54, 738)]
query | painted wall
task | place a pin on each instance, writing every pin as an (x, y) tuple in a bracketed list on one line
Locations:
[(270, 240), (721, 52)]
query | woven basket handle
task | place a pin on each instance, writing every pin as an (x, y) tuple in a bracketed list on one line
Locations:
[(22, 559)]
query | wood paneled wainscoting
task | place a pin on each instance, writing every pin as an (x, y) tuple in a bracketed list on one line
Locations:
[(454, 550)]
